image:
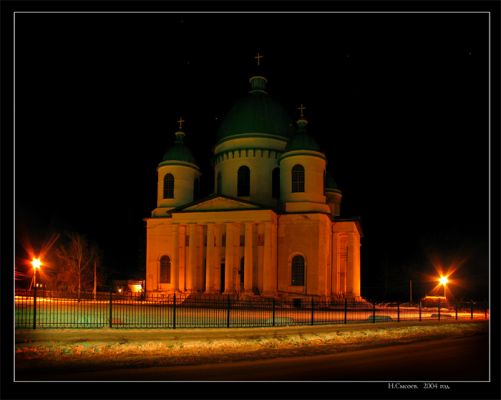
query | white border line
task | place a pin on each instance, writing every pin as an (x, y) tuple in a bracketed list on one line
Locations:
[(253, 12)]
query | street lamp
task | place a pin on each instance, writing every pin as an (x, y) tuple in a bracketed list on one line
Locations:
[(443, 281), (36, 263)]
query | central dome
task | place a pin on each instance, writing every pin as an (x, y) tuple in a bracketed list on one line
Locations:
[(257, 113)]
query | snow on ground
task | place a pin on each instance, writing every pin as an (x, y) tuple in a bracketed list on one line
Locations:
[(114, 348)]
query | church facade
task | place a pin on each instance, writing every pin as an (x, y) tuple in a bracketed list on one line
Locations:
[(272, 227)]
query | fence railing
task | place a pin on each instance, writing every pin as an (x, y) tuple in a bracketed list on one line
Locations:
[(36, 309)]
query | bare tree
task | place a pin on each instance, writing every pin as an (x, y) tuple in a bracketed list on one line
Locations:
[(77, 261)]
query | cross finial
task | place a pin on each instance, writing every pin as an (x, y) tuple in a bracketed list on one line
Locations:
[(180, 121), (301, 109), (258, 58)]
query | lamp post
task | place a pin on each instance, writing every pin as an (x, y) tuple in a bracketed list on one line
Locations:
[(443, 281), (36, 263)]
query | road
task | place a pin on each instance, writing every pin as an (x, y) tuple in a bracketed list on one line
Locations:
[(455, 359)]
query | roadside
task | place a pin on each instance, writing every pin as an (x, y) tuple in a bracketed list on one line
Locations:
[(99, 349)]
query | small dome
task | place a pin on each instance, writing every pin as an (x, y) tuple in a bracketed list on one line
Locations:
[(301, 140), (330, 183), (179, 152), (256, 113)]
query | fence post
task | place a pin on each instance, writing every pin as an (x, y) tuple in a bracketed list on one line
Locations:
[(419, 310), (456, 311), (471, 310), (228, 312), (174, 312), (374, 312), (273, 304), (111, 308), (35, 306), (439, 310), (398, 312), (312, 311), (345, 310)]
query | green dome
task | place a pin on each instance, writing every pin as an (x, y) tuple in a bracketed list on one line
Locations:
[(179, 152), (301, 140), (256, 113), (330, 183)]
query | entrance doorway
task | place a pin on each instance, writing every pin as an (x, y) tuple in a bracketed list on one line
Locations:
[(242, 264), (221, 289)]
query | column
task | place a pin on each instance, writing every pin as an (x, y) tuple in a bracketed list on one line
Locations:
[(236, 257), (182, 258), (334, 262), (356, 265), (210, 260), (218, 255), (175, 278), (248, 258), (198, 281), (192, 251), (349, 266), (269, 269), (229, 259)]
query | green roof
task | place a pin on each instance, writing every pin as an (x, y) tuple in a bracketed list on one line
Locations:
[(179, 152), (256, 113), (330, 183), (302, 140)]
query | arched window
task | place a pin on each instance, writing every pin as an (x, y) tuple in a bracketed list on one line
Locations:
[(297, 272), (169, 186), (196, 189), (275, 183), (297, 178), (219, 183), (165, 269), (243, 185)]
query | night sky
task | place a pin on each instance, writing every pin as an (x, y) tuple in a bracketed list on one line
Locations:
[(399, 103)]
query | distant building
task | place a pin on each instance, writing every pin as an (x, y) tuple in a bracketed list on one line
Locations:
[(271, 228)]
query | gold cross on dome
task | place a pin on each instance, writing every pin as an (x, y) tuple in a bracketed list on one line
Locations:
[(301, 109), (180, 121), (258, 58)]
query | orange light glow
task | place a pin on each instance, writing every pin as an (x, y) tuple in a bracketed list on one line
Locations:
[(443, 280), (36, 263)]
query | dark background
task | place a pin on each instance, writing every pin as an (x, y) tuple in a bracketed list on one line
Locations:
[(399, 103)]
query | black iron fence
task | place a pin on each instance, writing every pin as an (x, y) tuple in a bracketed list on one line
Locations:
[(61, 310)]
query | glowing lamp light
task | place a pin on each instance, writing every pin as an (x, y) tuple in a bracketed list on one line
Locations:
[(136, 288), (443, 280), (36, 263)]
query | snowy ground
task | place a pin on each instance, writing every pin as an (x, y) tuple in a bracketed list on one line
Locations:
[(86, 349)]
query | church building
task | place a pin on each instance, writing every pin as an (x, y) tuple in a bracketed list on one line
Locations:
[(272, 226)]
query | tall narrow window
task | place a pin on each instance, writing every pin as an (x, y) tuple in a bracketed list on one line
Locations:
[(324, 181), (297, 178), (242, 273), (297, 273), (196, 189), (243, 185), (169, 186), (275, 183), (165, 269), (219, 183)]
